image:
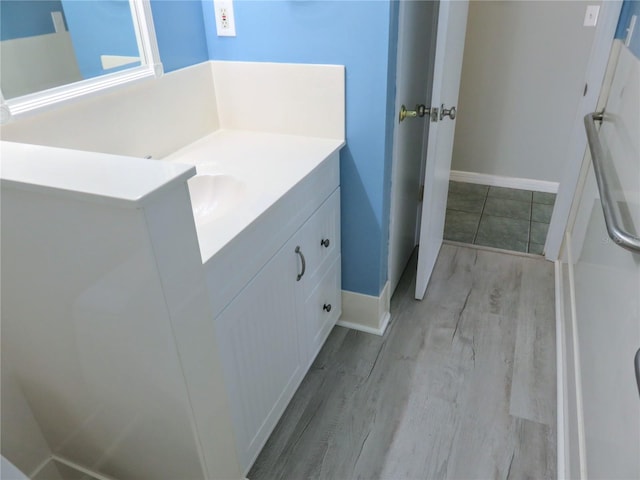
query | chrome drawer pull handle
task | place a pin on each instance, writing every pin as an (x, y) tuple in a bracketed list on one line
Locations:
[(325, 242), (636, 361), (327, 307), (304, 264)]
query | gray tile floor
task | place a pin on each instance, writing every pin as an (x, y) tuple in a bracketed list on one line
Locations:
[(505, 218)]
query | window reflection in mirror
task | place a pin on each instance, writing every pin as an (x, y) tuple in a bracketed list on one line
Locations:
[(50, 43)]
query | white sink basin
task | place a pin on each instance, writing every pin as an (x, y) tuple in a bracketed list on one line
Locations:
[(215, 195)]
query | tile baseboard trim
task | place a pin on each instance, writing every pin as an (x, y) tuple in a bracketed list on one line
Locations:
[(574, 370), (494, 249), (366, 313), (500, 181)]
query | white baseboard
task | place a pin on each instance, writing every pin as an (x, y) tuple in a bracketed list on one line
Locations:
[(577, 369), (366, 313), (561, 378), (508, 182)]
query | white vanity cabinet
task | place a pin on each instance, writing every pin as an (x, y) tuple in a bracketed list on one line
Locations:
[(272, 330)]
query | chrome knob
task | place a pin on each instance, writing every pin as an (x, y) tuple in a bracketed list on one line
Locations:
[(327, 307), (420, 111), (325, 242), (447, 112)]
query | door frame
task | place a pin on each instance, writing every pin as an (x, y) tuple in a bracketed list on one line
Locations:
[(594, 78)]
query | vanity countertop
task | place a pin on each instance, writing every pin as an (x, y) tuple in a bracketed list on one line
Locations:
[(101, 177), (268, 166)]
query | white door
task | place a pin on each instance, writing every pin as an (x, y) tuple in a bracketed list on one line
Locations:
[(416, 47), (452, 25)]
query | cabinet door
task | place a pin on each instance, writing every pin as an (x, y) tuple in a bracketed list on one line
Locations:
[(258, 338)]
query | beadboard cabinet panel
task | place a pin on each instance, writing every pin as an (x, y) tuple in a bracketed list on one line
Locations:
[(271, 332), (258, 338)]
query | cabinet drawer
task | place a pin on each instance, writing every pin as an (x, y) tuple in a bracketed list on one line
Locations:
[(319, 239), (322, 309)]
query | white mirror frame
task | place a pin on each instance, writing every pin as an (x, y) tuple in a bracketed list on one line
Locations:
[(150, 67)]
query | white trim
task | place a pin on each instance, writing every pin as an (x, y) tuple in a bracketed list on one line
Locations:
[(596, 69), (500, 181), (364, 328), (149, 51), (366, 313), (561, 378), (492, 249), (55, 96), (139, 39), (74, 466), (582, 448), (80, 468), (40, 467), (58, 22)]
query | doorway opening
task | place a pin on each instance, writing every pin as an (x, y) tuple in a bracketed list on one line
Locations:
[(498, 217), (524, 137), (519, 94)]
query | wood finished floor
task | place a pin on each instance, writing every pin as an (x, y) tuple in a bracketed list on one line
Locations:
[(462, 384)]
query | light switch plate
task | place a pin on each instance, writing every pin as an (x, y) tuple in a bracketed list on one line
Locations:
[(591, 16)]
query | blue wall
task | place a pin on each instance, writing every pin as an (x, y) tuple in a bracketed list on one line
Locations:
[(180, 33), (27, 18), (629, 8), (100, 28), (360, 35)]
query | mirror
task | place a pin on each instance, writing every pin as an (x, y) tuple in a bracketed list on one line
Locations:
[(56, 50)]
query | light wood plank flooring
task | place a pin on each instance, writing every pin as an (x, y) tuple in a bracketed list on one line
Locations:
[(462, 384)]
